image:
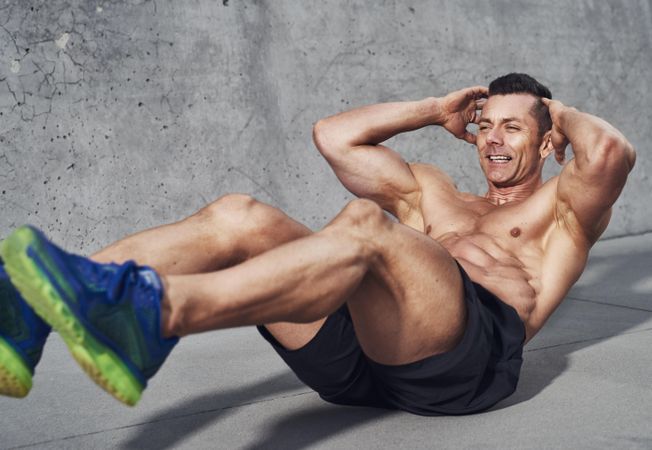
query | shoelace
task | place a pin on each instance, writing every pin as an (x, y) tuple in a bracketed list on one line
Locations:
[(127, 275)]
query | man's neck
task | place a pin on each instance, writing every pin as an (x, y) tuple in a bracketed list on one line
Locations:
[(501, 195)]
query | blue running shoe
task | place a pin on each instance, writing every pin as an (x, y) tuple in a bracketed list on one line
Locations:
[(108, 314), (22, 337)]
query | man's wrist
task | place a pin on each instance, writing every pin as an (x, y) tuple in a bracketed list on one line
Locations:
[(566, 116), (432, 108)]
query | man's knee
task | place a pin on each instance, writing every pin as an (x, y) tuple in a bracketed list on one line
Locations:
[(362, 222), (362, 214), (230, 204), (247, 216), (237, 210)]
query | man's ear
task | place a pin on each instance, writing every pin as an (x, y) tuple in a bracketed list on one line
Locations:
[(546, 147)]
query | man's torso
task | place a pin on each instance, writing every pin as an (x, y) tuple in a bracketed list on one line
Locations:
[(518, 251)]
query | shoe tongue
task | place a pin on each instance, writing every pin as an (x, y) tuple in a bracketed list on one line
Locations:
[(119, 281)]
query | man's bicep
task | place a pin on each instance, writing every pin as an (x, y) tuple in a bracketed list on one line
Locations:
[(584, 199), (377, 173)]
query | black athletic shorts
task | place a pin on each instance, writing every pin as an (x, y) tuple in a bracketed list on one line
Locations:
[(479, 372)]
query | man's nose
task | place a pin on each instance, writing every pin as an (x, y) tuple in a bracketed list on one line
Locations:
[(494, 137)]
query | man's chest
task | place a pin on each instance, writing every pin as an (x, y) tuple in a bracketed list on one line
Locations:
[(512, 226)]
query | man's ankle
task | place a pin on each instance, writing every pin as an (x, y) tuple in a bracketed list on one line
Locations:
[(170, 323)]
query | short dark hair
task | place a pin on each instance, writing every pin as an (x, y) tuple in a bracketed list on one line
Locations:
[(522, 83)]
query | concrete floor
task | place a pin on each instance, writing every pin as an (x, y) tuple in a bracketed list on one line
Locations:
[(585, 384)]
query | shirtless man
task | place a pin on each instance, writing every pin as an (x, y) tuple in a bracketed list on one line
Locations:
[(428, 314)]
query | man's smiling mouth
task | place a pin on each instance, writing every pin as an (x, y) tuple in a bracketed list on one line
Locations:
[(500, 159)]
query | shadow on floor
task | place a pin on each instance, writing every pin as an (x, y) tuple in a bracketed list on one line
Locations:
[(169, 428), (303, 429), (630, 272)]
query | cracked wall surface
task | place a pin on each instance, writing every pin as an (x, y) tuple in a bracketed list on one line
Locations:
[(121, 115)]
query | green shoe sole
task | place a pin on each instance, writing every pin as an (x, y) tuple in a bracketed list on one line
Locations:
[(100, 362), (15, 376)]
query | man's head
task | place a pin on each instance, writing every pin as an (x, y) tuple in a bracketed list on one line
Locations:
[(513, 140)]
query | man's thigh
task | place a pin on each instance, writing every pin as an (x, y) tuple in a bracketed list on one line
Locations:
[(332, 362), (293, 336), (411, 304)]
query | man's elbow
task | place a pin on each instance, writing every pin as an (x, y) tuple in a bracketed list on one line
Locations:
[(630, 154), (325, 138), (318, 134), (614, 153)]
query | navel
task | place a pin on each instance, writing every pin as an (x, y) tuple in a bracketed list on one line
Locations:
[(515, 232), (428, 229)]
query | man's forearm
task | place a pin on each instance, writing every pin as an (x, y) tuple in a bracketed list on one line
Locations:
[(594, 140), (371, 125)]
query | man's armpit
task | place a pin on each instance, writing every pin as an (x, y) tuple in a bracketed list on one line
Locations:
[(428, 174), (408, 211), (566, 219)]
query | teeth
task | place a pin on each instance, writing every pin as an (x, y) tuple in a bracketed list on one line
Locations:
[(499, 158)]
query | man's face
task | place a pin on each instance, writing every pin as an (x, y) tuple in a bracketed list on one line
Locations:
[(508, 140)]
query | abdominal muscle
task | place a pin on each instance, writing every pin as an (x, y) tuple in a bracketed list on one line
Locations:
[(514, 280)]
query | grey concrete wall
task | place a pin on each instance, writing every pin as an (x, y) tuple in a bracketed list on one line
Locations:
[(120, 115)]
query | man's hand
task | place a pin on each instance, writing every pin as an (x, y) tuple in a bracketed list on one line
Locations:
[(460, 108), (557, 137)]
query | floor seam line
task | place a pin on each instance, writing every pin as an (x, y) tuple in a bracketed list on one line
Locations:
[(587, 340), (165, 419), (620, 236), (633, 308)]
